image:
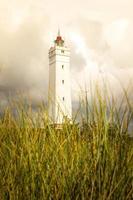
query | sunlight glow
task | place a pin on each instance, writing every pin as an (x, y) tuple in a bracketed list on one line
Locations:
[(91, 68), (115, 32), (16, 20)]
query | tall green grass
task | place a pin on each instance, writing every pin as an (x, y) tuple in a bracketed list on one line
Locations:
[(92, 160)]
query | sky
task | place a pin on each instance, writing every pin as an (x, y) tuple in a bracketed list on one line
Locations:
[(99, 34)]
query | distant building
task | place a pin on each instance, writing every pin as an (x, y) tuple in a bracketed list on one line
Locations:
[(60, 104)]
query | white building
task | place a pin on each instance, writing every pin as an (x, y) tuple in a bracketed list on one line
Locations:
[(60, 105)]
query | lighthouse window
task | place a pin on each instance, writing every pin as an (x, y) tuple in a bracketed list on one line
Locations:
[(63, 98), (62, 66), (62, 81), (62, 51)]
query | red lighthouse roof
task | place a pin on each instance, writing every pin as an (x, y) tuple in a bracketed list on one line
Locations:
[(59, 41)]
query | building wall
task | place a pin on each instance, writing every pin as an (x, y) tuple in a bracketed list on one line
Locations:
[(59, 84)]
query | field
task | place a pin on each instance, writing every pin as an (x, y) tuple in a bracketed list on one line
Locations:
[(92, 160)]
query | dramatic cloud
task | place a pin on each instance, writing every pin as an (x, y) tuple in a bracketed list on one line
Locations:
[(99, 33)]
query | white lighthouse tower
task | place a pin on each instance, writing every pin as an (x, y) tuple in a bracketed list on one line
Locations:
[(60, 105)]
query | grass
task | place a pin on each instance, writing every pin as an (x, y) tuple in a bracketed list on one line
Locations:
[(93, 160)]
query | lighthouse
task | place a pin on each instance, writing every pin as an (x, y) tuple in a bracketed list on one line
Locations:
[(60, 104)]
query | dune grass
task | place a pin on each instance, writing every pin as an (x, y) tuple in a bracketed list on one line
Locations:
[(92, 160)]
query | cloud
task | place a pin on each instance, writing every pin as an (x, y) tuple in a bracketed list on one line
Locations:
[(106, 50), (101, 44), (23, 55), (119, 37)]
